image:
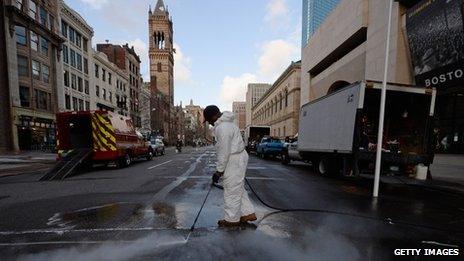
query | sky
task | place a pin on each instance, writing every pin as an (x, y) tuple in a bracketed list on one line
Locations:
[(221, 45)]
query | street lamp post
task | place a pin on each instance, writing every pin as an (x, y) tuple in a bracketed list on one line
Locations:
[(378, 159)]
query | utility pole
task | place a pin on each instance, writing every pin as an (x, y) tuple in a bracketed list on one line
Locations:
[(378, 159)]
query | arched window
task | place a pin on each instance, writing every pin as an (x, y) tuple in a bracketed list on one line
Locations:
[(286, 98), (280, 101)]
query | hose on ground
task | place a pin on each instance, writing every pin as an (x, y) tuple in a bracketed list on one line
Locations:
[(314, 210)]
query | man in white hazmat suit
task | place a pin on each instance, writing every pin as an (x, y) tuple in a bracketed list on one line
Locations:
[(232, 160)]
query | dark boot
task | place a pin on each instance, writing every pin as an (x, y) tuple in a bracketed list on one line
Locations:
[(225, 223), (248, 218)]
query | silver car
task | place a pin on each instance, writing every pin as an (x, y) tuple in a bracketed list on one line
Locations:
[(158, 147)]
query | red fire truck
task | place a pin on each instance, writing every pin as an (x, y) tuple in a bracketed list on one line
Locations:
[(87, 137)]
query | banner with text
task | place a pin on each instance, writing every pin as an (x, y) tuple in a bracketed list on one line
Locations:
[(436, 38)]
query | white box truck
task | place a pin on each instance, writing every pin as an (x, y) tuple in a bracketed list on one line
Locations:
[(338, 132), (254, 134)]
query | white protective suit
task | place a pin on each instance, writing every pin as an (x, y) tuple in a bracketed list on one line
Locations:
[(232, 159)]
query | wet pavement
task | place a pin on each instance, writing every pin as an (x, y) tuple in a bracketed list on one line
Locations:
[(145, 212)]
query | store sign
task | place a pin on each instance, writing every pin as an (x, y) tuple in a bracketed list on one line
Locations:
[(436, 38)]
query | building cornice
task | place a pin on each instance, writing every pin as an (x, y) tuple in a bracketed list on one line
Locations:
[(290, 69), (76, 17)]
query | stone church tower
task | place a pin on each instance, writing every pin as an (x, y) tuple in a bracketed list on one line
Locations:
[(161, 50)]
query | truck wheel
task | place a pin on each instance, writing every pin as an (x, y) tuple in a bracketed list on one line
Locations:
[(150, 155), (327, 166), (125, 161), (285, 159)]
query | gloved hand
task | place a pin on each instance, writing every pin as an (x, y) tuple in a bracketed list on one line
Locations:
[(216, 176)]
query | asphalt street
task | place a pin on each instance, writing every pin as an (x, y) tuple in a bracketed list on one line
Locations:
[(145, 212)]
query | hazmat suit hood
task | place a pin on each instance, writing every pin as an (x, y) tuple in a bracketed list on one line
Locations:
[(229, 139), (226, 116)]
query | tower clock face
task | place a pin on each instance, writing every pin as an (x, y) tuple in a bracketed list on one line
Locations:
[(161, 8)]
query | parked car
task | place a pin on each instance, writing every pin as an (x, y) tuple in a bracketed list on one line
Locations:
[(269, 147), (290, 153), (158, 147)]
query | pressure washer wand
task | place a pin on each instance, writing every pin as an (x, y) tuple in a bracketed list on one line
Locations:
[(199, 212)]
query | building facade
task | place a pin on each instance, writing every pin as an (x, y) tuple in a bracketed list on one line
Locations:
[(239, 110), (350, 46), (128, 61), (105, 76), (314, 14), (31, 40), (161, 55), (78, 88), (145, 108), (255, 92), (280, 106)]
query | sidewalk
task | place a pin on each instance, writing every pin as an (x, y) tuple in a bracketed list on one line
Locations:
[(25, 162), (447, 175)]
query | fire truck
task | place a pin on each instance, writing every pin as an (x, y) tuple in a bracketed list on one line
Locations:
[(88, 137)]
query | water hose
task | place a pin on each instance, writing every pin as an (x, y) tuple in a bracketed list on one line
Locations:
[(314, 210), (199, 212)]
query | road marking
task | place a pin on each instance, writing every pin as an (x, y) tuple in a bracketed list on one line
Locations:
[(166, 162), (62, 243), (89, 230), (256, 168)]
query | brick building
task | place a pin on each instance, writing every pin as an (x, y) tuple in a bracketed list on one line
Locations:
[(161, 55), (127, 60), (239, 110), (31, 40)]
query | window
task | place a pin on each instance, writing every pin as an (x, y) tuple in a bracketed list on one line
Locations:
[(51, 22), (72, 34), (42, 100), (81, 105), (75, 104), (34, 41), (66, 78), (20, 33), (73, 81), (87, 106), (103, 74), (104, 94), (109, 78), (43, 16), (110, 96), (79, 84), (36, 69), (97, 91), (286, 98), (96, 70), (86, 87), (86, 66), (45, 73), (23, 66), (85, 44), (64, 29), (78, 39), (32, 9), (67, 101), (65, 54), (19, 4), (24, 96), (79, 62), (159, 67), (44, 46), (73, 58)]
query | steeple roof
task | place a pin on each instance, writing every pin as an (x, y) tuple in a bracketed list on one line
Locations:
[(160, 7)]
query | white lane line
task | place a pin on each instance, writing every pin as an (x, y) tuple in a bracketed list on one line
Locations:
[(90, 230), (152, 167), (62, 243)]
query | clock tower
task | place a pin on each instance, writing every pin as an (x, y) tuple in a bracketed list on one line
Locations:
[(161, 50)]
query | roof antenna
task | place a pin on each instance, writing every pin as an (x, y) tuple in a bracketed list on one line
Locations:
[(107, 41)]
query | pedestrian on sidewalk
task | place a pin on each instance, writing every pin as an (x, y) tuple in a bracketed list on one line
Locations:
[(232, 160)]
